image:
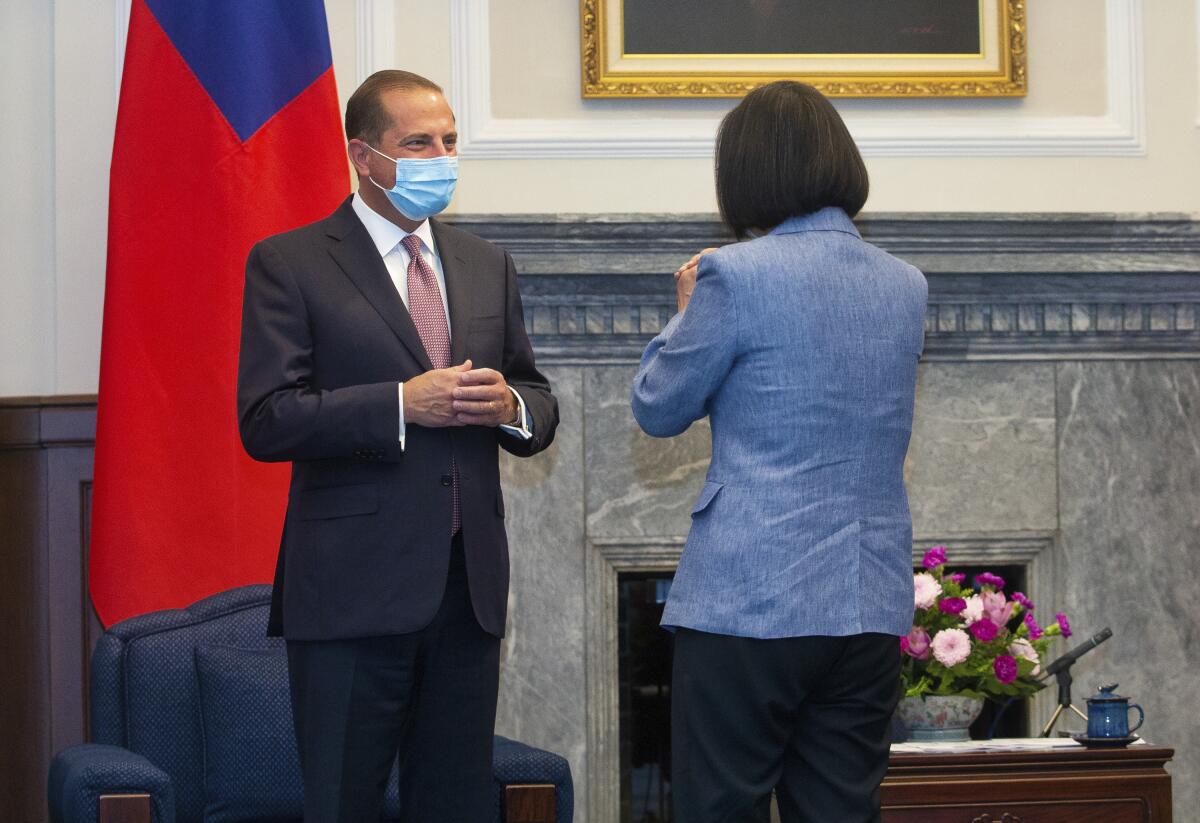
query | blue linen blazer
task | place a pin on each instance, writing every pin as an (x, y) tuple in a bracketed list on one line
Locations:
[(801, 347)]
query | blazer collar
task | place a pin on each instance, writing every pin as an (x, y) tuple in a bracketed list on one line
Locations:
[(830, 218), (359, 260), (457, 271)]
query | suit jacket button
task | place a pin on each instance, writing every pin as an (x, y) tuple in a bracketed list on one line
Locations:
[(447, 480)]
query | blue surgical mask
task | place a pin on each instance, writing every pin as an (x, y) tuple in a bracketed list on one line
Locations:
[(423, 186)]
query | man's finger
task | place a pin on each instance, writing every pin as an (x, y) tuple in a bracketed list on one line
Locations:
[(488, 391), (477, 406), (480, 377)]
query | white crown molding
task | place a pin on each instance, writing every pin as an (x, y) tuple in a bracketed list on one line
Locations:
[(1120, 131)]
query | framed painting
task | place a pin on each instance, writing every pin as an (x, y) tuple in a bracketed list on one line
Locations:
[(846, 48)]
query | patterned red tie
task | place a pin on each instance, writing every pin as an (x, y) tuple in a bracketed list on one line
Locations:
[(429, 316)]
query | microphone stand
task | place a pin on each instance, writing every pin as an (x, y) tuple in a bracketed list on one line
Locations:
[(1064, 700), (1061, 669)]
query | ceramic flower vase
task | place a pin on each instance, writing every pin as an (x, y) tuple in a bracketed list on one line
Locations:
[(939, 717)]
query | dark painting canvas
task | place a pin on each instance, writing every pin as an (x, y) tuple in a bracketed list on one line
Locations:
[(801, 27)]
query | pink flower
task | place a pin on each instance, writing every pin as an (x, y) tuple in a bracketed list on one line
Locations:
[(1035, 631), (1022, 648), (1005, 668), (925, 590), (952, 605), (974, 609), (957, 577), (951, 646), (996, 608), (983, 630), (934, 557), (1063, 624), (1023, 600), (989, 579), (916, 644)]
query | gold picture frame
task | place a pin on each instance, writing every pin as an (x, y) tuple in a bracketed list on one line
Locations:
[(997, 70)]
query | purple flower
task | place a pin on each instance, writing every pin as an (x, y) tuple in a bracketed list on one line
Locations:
[(935, 557), (951, 647), (1035, 631), (916, 645), (996, 608), (983, 630), (1023, 600), (957, 577), (1063, 624), (989, 579), (952, 605), (1005, 668)]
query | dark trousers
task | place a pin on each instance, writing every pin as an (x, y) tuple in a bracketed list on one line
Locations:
[(809, 717), (429, 696)]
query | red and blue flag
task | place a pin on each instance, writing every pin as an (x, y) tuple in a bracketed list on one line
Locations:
[(227, 131)]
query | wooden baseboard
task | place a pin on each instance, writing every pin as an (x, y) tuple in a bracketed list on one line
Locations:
[(529, 803)]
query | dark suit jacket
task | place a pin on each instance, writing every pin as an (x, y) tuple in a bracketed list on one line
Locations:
[(325, 340)]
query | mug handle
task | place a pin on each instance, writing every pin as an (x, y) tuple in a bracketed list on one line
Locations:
[(1141, 717)]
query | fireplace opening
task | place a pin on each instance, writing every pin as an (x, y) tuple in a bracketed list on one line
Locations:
[(644, 691), (644, 676)]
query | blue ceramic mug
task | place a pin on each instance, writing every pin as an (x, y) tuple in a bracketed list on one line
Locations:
[(1108, 714)]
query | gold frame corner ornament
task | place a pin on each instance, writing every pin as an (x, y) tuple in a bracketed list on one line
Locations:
[(597, 81)]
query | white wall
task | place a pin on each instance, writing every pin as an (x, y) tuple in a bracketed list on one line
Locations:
[(27, 270), (1110, 124)]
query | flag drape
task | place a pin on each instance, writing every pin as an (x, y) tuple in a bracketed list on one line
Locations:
[(227, 132)]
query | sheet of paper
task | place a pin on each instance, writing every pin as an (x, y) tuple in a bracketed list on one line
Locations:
[(999, 744)]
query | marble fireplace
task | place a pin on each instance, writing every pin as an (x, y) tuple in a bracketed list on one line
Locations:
[(1057, 429)]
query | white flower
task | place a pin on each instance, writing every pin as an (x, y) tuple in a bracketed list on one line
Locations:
[(1022, 648), (925, 590), (973, 611), (951, 646)]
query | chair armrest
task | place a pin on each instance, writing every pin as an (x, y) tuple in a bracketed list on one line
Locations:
[(80, 775), (517, 764)]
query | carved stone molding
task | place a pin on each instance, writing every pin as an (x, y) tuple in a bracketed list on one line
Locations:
[(1001, 286)]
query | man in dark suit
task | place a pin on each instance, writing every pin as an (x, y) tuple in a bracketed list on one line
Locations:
[(385, 355)]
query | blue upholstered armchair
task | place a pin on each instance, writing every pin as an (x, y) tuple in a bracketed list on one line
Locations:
[(191, 722)]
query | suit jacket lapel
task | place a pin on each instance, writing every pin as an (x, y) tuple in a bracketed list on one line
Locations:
[(358, 258), (458, 292)]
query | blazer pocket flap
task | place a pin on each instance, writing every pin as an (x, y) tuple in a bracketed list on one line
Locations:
[(336, 501), (706, 496)]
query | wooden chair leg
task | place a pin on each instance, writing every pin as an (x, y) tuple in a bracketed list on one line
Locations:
[(529, 803), (124, 808)]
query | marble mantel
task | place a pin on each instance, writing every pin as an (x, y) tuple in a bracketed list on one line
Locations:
[(1057, 423)]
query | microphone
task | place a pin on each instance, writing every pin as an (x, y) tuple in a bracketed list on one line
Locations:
[(1079, 651)]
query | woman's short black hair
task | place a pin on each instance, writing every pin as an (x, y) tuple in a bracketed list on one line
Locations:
[(785, 152)]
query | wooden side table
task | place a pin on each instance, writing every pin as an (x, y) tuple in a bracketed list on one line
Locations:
[(1041, 786)]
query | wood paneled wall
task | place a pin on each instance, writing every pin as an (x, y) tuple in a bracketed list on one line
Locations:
[(47, 624)]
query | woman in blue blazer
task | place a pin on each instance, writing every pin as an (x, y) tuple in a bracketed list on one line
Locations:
[(801, 346)]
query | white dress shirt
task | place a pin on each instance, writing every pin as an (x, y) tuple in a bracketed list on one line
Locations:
[(388, 237)]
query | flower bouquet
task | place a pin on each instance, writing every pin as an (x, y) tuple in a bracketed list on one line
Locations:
[(970, 641)]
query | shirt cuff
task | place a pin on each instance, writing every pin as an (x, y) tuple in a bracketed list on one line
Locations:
[(400, 395), (525, 430)]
